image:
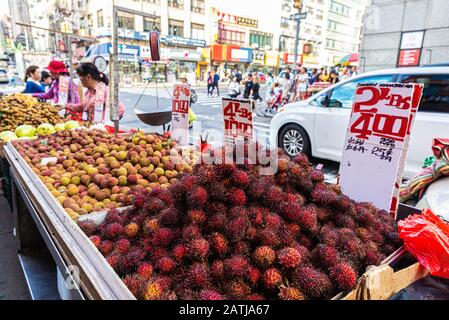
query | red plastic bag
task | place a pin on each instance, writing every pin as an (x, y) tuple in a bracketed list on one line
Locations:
[(426, 236)]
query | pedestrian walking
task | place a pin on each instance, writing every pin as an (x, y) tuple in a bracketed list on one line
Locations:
[(249, 85), (215, 82), (270, 84), (301, 84), (255, 95), (210, 81), (234, 88), (32, 80)]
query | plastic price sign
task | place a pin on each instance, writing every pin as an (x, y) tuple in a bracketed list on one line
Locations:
[(180, 114), (238, 119)]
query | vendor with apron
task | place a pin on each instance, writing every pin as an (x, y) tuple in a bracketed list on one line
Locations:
[(95, 103)]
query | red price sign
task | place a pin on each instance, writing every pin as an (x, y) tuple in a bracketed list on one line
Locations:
[(181, 106), (238, 118)]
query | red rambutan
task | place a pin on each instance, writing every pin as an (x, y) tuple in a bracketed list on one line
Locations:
[(295, 198), (162, 237), (328, 235), (217, 222), (214, 207), (106, 246), (268, 237), (363, 234), (113, 260), (308, 220), (240, 178), (139, 199), (317, 176), (197, 198), (264, 256), (188, 182), (272, 278), (145, 270), (372, 258), (236, 229), (131, 229), (197, 276), (130, 260), (290, 293), (273, 197), (150, 225), (208, 294), (177, 191), (197, 217), (344, 221), (236, 266), (236, 197), (302, 160), (242, 248), (313, 283), (217, 270), (165, 265), (303, 251), (179, 252), (254, 297), (256, 216), (305, 241), (323, 214), (217, 190), (219, 244), (238, 288), (289, 257), (135, 283), (253, 275), (152, 291), (191, 232), (273, 221), (292, 211), (96, 240), (257, 190), (123, 245), (112, 231), (88, 227), (113, 215), (170, 216), (325, 255), (365, 218), (154, 205), (344, 276), (198, 249)]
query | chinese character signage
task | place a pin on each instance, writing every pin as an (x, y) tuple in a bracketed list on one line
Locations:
[(180, 114), (230, 18), (377, 142), (238, 119), (409, 58)]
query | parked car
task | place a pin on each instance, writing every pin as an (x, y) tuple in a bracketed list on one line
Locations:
[(4, 76), (317, 126)]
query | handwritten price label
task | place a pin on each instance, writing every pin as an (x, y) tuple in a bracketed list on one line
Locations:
[(238, 119), (180, 110)]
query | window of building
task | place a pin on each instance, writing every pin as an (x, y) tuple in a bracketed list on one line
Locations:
[(100, 20), (176, 4), (126, 21), (285, 22), (287, 5), (197, 31), (262, 39), (175, 28), (197, 6), (151, 24), (339, 8), (229, 36)]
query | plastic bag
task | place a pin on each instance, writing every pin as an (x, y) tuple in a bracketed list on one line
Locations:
[(426, 236)]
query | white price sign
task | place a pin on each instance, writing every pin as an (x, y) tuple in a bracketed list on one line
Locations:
[(238, 119), (180, 114), (377, 142)]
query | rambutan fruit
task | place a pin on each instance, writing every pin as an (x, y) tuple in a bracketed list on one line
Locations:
[(308, 220), (254, 297), (123, 245), (165, 265), (268, 237), (224, 170), (290, 293), (306, 255), (214, 207), (388, 249), (130, 260), (289, 257), (302, 160), (96, 240), (344, 221), (344, 276), (313, 283), (106, 246), (236, 229), (113, 260), (292, 211), (256, 216), (197, 276), (343, 203), (273, 197), (150, 225), (240, 178), (282, 178), (305, 241), (293, 228), (208, 294), (273, 221), (198, 249), (317, 176), (253, 275), (154, 205), (197, 197), (325, 255), (164, 281), (322, 196), (177, 191), (328, 235), (372, 258), (139, 199), (158, 253), (271, 278), (217, 270), (365, 218), (188, 182), (217, 190), (242, 248), (363, 234), (197, 217), (152, 291), (251, 233), (295, 198), (283, 164), (353, 247), (145, 270), (218, 244), (257, 190), (236, 197), (164, 195), (89, 227), (179, 252), (217, 222), (162, 237), (236, 266), (237, 212), (112, 231), (238, 288), (170, 216), (135, 283), (131, 229), (264, 256), (191, 232)]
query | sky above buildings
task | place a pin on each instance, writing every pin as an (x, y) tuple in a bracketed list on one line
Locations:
[(4, 7)]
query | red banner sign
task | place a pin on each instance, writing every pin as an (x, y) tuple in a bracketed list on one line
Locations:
[(409, 58)]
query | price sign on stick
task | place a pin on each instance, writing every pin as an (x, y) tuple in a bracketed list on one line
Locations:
[(238, 119), (63, 93), (377, 142), (180, 114)]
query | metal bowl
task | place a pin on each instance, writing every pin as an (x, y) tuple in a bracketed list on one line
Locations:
[(153, 118)]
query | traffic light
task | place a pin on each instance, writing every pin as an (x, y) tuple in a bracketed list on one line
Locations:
[(297, 4), (307, 48)]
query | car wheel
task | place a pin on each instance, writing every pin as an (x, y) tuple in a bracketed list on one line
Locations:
[(294, 140)]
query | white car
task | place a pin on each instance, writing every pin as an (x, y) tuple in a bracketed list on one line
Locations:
[(317, 126)]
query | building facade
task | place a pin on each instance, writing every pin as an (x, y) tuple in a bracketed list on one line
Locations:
[(405, 33)]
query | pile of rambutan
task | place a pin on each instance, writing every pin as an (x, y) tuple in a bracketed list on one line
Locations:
[(227, 232)]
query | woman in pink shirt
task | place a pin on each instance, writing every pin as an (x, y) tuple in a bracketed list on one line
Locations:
[(95, 101)]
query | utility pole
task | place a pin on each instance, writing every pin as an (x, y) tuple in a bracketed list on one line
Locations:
[(297, 4)]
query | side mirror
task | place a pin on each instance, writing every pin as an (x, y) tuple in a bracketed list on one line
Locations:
[(324, 100)]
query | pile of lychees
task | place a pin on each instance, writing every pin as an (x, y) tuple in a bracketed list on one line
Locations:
[(226, 232)]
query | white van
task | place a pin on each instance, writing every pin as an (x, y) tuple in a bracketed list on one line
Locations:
[(317, 126)]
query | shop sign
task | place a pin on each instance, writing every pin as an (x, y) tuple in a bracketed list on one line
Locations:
[(175, 40), (130, 34), (258, 57), (180, 114), (409, 58), (377, 142), (238, 119), (230, 18), (145, 53), (290, 58), (241, 55), (126, 51), (178, 54), (412, 40), (272, 59)]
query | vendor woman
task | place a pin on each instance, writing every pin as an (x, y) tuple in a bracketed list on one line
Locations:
[(95, 101)]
